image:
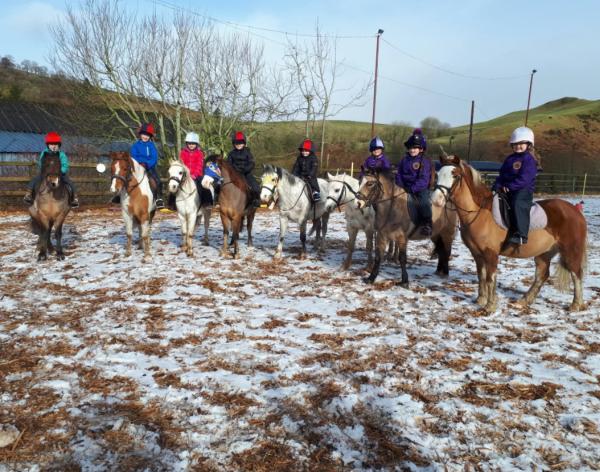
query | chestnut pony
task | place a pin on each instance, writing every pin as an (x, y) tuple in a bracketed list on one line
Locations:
[(131, 181), (50, 208), (234, 205), (460, 187)]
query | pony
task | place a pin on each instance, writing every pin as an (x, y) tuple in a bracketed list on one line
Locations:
[(188, 202), (460, 186), (131, 181), (342, 194), (50, 208), (293, 197), (393, 223), (234, 205)]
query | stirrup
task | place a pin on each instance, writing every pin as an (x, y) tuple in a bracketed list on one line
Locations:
[(74, 203), (159, 203), (28, 199)]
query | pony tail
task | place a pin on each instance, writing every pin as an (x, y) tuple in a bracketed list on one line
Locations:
[(563, 274)]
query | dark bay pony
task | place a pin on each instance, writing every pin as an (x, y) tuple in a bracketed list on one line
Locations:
[(460, 187), (393, 223), (130, 180), (234, 205), (50, 207)]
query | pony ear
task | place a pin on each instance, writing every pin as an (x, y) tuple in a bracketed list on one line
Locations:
[(279, 172), (451, 159), (329, 176)]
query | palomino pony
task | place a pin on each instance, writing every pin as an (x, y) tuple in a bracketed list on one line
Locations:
[(234, 205), (460, 186), (50, 208), (187, 200), (393, 223), (293, 196), (131, 181), (342, 193)]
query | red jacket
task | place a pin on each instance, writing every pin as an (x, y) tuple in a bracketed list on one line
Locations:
[(194, 161)]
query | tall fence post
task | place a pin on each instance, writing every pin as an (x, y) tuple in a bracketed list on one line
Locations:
[(352, 169), (584, 182)]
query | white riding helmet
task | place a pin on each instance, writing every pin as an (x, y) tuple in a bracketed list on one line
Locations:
[(522, 133), (192, 138)]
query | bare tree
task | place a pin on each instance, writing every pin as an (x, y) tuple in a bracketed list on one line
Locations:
[(179, 72), (317, 71)]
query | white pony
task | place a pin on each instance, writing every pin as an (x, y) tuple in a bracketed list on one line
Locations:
[(292, 195), (188, 202), (342, 193)]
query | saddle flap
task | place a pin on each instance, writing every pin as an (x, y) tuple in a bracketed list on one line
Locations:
[(537, 216)]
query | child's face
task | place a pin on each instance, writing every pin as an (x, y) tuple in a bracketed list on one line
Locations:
[(305, 153), (144, 137), (239, 146), (54, 147), (520, 147), (414, 151), (377, 152), (191, 146)]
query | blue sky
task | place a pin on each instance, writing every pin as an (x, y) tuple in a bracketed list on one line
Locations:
[(483, 38)]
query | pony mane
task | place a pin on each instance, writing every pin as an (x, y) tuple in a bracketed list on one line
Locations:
[(481, 193), (237, 178)]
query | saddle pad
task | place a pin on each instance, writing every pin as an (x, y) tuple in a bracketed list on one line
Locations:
[(537, 216)]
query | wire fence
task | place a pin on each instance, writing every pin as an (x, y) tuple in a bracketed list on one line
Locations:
[(93, 187)]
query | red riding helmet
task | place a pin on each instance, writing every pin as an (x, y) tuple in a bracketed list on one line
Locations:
[(53, 138), (307, 145), (146, 128), (238, 138)]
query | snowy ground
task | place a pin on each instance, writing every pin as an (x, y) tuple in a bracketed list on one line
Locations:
[(107, 363)]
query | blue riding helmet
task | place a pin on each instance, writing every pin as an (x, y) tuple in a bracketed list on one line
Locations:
[(376, 143)]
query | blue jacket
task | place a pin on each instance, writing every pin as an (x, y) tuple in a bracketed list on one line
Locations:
[(375, 164), (414, 173), (64, 160), (144, 153), (518, 172)]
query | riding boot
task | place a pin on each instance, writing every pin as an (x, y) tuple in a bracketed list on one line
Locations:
[(116, 198), (74, 201), (426, 229), (159, 202), (172, 202), (28, 198)]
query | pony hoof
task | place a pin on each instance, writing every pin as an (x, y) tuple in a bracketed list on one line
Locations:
[(60, 256), (403, 284), (521, 303), (368, 280), (489, 309), (481, 301), (205, 243), (42, 257), (576, 307)]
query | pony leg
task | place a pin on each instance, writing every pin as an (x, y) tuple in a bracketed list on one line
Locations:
[(303, 240), (225, 222), (577, 303), (442, 250), (235, 237), (128, 232), (145, 235), (370, 236), (43, 244), (249, 223), (283, 225), (482, 297), (401, 246), (324, 224), (352, 232), (491, 266), (184, 231), (206, 224), (382, 242), (542, 272), (58, 235), (191, 226)]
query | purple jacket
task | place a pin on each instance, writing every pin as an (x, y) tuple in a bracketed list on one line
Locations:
[(414, 173), (518, 172), (375, 164)]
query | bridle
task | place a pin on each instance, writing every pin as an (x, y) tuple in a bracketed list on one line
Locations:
[(128, 175), (275, 194), (181, 181), (449, 191), (345, 188)]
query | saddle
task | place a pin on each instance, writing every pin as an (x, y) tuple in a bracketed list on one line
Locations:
[(501, 211)]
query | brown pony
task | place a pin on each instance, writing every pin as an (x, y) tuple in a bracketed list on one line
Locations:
[(460, 186), (393, 223), (50, 208), (234, 205), (137, 204)]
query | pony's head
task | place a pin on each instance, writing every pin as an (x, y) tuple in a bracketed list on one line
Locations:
[(268, 184), (340, 190), (370, 189), (120, 169), (450, 177), (178, 172), (51, 169)]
